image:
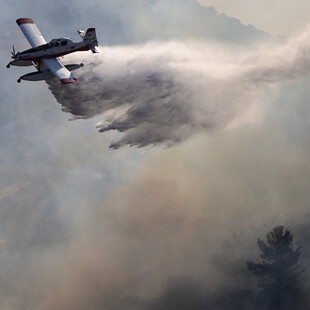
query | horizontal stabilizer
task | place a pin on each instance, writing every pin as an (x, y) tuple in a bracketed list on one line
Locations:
[(81, 33), (95, 50)]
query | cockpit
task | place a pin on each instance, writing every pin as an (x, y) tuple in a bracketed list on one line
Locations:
[(59, 42), (45, 47)]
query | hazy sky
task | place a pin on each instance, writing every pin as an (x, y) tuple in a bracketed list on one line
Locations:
[(278, 17), (221, 113)]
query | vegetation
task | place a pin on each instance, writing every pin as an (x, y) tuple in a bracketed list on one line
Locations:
[(279, 277), (279, 274)]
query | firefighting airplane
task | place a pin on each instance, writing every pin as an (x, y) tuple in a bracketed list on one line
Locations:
[(44, 56)]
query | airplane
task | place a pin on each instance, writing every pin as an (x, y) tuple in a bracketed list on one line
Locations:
[(44, 56)]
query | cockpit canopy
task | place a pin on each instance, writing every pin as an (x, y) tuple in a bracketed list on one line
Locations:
[(45, 47), (59, 42)]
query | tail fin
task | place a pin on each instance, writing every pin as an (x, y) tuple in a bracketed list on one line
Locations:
[(90, 35)]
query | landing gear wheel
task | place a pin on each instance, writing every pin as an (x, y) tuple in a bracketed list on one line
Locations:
[(81, 65), (19, 80), (8, 66)]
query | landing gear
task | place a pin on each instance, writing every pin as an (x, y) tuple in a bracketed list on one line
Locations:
[(81, 65), (19, 80), (8, 66)]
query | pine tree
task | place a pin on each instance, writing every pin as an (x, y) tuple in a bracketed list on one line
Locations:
[(279, 273)]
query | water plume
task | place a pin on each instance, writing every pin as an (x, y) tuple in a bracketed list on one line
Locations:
[(164, 92)]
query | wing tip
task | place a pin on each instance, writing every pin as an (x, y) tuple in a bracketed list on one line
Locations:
[(22, 21), (68, 81)]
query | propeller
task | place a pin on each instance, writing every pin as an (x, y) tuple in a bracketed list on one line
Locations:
[(13, 56), (13, 52)]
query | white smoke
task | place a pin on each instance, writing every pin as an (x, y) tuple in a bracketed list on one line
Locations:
[(163, 92)]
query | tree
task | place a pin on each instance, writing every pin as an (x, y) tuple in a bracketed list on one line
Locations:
[(279, 273)]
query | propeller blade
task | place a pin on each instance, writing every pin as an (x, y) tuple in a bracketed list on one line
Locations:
[(13, 53)]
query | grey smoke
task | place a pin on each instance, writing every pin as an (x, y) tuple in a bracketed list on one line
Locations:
[(82, 227), (164, 92)]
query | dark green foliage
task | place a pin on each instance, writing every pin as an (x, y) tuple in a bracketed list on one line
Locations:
[(279, 273)]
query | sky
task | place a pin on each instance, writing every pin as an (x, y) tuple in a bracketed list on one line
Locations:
[(280, 18), (186, 140)]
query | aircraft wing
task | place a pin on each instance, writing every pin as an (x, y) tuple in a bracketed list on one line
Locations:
[(31, 31), (35, 38), (59, 70)]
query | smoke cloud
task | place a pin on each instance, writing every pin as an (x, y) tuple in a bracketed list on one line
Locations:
[(85, 228), (164, 92), (192, 211)]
